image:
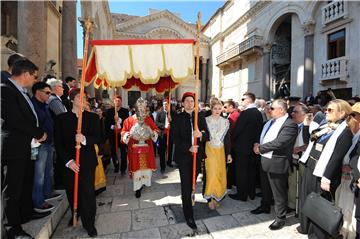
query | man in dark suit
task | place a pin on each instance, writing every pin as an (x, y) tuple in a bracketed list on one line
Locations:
[(19, 125), (162, 123), (68, 85), (276, 147), (65, 138), (5, 74), (115, 122), (246, 132), (183, 132)]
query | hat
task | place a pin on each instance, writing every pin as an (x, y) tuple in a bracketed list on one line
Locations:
[(356, 107), (187, 94)]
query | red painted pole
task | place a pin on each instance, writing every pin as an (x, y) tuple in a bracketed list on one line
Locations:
[(87, 24)]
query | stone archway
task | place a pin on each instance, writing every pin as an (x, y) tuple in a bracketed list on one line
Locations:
[(284, 36)]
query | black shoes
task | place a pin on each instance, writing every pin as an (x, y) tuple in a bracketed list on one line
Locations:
[(18, 232), (92, 232), (237, 197), (191, 223), (260, 210), (116, 169), (138, 192), (277, 225)]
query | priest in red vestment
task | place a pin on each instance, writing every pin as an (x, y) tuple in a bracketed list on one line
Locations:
[(138, 132)]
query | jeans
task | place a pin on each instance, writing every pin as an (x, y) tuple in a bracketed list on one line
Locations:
[(43, 175)]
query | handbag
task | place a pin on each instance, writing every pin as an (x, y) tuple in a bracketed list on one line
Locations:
[(323, 213)]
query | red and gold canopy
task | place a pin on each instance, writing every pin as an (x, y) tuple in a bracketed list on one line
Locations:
[(159, 64)]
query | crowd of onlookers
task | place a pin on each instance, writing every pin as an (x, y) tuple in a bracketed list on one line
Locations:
[(281, 150)]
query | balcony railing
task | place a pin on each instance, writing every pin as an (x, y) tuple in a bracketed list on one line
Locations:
[(333, 11), (334, 68), (254, 41)]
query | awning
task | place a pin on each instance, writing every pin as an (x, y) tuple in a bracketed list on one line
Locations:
[(159, 64)]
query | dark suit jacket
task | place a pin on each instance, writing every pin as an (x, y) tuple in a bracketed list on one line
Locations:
[(282, 148), (18, 124), (64, 137), (109, 120), (247, 131), (182, 137)]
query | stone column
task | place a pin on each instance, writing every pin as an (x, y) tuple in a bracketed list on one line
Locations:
[(308, 58), (203, 79), (266, 72), (208, 81), (68, 40), (31, 29)]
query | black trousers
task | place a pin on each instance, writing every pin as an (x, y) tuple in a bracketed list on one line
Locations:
[(58, 172), (245, 175), (170, 153), (86, 195), (186, 171), (123, 154), (18, 184), (162, 151), (278, 183), (267, 195), (230, 172)]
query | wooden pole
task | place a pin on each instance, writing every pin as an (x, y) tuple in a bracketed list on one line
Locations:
[(168, 131), (197, 46), (116, 131), (87, 25)]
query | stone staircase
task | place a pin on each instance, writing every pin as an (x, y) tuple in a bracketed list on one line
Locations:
[(43, 228)]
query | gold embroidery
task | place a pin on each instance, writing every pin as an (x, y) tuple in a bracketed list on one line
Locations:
[(142, 161)]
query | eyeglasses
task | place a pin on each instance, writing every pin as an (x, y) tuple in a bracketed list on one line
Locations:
[(47, 92), (329, 110)]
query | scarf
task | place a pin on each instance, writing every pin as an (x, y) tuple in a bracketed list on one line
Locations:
[(328, 149), (271, 131)]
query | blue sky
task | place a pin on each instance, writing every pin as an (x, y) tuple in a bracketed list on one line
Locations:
[(188, 10)]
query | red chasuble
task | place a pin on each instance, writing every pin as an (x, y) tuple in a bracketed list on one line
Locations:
[(143, 160)]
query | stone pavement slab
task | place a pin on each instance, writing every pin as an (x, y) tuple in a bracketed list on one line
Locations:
[(112, 223), (152, 233), (148, 218)]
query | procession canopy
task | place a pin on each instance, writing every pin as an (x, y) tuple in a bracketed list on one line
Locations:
[(160, 64)]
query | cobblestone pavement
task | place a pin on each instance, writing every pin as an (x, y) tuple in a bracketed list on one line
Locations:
[(158, 214)]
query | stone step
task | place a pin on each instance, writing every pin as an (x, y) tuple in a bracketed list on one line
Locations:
[(44, 227)]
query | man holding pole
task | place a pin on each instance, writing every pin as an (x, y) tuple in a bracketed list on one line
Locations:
[(114, 120), (184, 134), (65, 139)]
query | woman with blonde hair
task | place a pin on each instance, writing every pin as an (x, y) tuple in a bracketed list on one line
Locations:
[(323, 159), (217, 155)]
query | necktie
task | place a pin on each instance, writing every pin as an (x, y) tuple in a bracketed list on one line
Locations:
[(271, 123)]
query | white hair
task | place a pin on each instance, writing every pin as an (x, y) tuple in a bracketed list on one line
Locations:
[(52, 82)]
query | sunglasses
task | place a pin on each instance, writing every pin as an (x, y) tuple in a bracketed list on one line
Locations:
[(329, 110), (47, 92)]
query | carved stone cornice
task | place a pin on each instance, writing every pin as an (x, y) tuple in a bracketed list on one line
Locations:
[(241, 20), (267, 47), (124, 27), (309, 27)]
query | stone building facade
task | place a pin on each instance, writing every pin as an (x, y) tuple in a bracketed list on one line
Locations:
[(156, 25), (43, 31), (280, 47)]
